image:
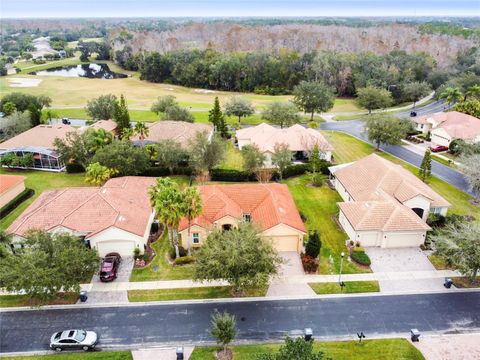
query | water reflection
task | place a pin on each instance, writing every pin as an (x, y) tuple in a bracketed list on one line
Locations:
[(91, 71)]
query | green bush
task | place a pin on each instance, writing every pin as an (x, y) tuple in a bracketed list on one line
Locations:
[(314, 245), (136, 253), (161, 171), (181, 251), (317, 180), (184, 260), (295, 170), (12, 205), (313, 125), (360, 257), (74, 168), (231, 175)]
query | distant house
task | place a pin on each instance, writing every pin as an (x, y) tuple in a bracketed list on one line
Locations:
[(299, 140), (179, 131), (447, 126), (10, 187), (107, 125), (268, 206), (384, 204), (116, 217)]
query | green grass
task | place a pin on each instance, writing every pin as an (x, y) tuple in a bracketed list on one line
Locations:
[(24, 300), (233, 158), (345, 105), (319, 205), (98, 355), (362, 116), (40, 181), (439, 262), (165, 270), (444, 162), (350, 287), (209, 292), (382, 349)]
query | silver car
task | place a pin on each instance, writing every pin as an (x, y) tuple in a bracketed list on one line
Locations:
[(73, 340)]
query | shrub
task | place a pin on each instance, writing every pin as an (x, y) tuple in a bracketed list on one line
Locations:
[(295, 170), (74, 168), (317, 179), (161, 171), (231, 175), (171, 252), (360, 257), (313, 125), (184, 260), (312, 249), (310, 264), (182, 251), (136, 253), (12, 205), (146, 256)]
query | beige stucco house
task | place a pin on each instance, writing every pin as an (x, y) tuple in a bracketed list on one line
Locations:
[(384, 204), (268, 206), (447, 126), (116, 217), (10, 187), (299, 139)]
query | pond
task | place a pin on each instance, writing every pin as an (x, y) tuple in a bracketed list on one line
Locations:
[(91, 71)]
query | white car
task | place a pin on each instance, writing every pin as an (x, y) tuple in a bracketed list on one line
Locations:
[(73, 340)]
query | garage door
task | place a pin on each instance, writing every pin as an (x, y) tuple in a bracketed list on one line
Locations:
[(124, 248), (403, 240), (285, 243)]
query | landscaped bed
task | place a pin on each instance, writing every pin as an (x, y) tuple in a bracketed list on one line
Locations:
[(208, 292), (465, 282), (25, 300), (350, 287), (384, 349), (103, 355)]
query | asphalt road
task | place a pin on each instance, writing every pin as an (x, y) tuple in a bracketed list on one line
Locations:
[(137, 326), (432, 108), (447, 174)]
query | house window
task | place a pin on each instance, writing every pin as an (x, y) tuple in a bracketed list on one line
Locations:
[(247, 218), (196, 238), (435, 210)]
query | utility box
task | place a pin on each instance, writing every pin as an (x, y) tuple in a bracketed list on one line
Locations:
[(415, 335), (179, 352), (448, 283), (83, 296), (308, 334)]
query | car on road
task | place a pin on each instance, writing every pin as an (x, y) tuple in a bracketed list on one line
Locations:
[(109, 267), (413, 113), (439, 148), (73, 340)]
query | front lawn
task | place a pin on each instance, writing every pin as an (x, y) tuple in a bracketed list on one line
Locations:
[(98, 355), (208, 292), (350, 287), (40, 181), (160, 268), (382, 349), (319, 206), (24, 300)]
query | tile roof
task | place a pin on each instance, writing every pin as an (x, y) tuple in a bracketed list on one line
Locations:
[(180, 131), (458, 125), (122, 202), (108, 125), (268, 205), (38, 136), (9, 181), (297, 137)]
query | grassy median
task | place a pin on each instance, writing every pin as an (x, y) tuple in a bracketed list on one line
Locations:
[(351, 287)]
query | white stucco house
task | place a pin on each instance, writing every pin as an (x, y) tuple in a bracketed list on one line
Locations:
[(299, 140), (384, 204), (116, 217), (447, 126)]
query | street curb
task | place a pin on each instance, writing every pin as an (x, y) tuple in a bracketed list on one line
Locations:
[(234, 300)]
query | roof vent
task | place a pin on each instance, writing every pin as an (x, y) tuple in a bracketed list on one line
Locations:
[(104, 191), (281, 210)]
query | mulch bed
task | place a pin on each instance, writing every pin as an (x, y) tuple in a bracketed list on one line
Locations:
[(464, 282)]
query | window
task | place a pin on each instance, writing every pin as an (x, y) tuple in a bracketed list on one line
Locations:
[(196, 238), (435, 210), (247, 218)]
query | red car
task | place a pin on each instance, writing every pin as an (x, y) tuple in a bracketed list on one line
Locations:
[(109, 267), (439, 148)]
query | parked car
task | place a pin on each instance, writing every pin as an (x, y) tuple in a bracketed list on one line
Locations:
[(66, 121), (439, 148), (73, 340), (109, 267), (413, 113)]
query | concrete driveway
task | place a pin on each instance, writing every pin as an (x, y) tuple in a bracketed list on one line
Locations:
[(291, 267), (401, 260)]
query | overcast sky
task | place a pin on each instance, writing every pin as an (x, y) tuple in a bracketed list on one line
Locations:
[(204, 8)]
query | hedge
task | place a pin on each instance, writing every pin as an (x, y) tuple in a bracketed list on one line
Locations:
[(360, 258), (12, 205), (184, 260), (74, 168), (160, 171), (231, 175)]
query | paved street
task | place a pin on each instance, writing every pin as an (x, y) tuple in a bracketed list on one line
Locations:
[(447, 174), (267, 320)]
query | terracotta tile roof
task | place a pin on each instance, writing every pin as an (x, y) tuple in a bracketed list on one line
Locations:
[(268, 205), (180, 131), (108, 125), (364, 178), (297, 137), (9, 181), (40, 135), (460, 126), (122, 202)]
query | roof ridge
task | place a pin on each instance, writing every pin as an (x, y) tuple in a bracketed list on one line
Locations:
[(76, 208)]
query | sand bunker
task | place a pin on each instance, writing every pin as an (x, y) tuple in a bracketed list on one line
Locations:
[(204, 91), (24, 82)]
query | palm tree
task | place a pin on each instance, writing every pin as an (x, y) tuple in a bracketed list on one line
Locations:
[(451, 95), (141, 130), (192, 203), (100, 138), (126, 134), (473, 91)]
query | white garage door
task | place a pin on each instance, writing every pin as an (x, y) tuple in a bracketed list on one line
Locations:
[(285, 243), (403, 240), (124, 248)]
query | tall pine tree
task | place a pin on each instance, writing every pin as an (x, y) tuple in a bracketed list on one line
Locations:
[(121, 115), (217, 118), (425, 170)]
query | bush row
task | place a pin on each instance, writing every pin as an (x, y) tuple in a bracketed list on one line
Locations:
[(360, 257), (159, 171), (12, 205)]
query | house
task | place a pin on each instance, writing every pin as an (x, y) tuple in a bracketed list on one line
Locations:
[(447, 126), (107, 125), (268, 206), (116, 217), (180, 131), (10, 187), (299, 139), (383, 203)]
